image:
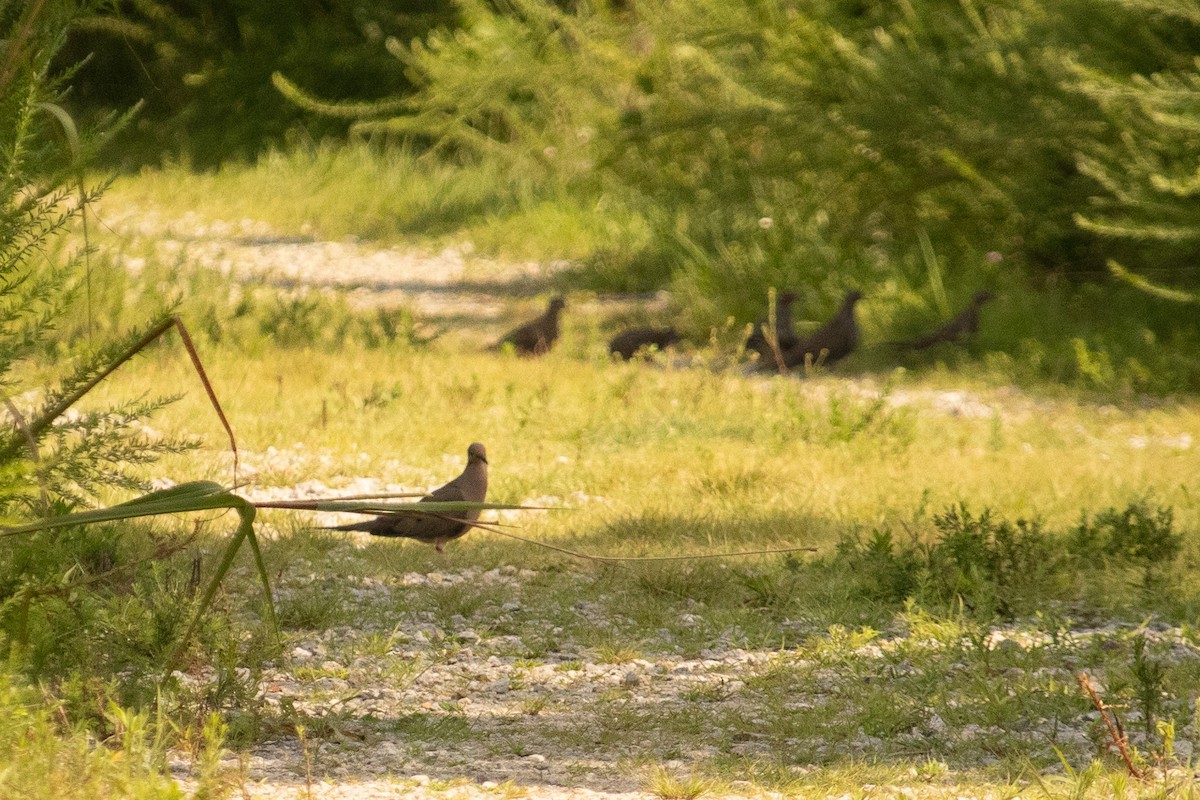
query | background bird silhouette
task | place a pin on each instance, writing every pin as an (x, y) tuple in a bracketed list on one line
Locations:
[(536, 336), (966, 322), (831, 342), (627, 343), (785, 331), (440, 527)]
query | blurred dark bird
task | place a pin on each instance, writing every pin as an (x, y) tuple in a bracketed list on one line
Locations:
[(785, 331), (535, 337), (965, 323), (832, 342), (627, 343), (436, 528)]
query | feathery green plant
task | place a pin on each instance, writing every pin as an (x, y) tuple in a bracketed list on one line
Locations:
[(54, 457), (1146, 206)]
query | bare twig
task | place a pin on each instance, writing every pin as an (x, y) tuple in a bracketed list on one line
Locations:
[(771, 332), (212, 396), (1119, 739)]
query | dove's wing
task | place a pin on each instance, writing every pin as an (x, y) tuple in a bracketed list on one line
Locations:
[(450, 493)]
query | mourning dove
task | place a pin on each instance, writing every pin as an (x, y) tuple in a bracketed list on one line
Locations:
[(835, 340), (627, 343), (437, 528), (536, 336), (785, 332), (966, 322)]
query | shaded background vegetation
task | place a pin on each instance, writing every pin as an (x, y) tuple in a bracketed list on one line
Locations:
[(202, 69), (917, 151)]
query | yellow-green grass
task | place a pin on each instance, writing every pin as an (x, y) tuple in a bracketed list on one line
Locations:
[(720, 459), (672, 459), (43, 758), (391, 196), (652, 460)]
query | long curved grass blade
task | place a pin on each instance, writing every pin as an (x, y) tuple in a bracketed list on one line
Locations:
[(180, 491), (71, 132), (365, 507), (266, 581), (68, 126), (182, 499), (304, 505)]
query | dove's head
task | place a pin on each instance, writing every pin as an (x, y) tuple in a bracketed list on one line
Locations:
[(983, 297), (787, 298), (476, 452), (557, 303)]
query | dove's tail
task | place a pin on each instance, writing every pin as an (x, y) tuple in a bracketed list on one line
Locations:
[(369, 526)]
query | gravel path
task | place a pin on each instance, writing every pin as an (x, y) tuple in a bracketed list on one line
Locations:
[(429, 710), (456, 709), (452, 286)]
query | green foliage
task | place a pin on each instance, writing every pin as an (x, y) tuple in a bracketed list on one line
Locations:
[(992, 565), (1148, 683), (45, 759), (888, 573), (497, 86), (1146, 206), (916, 151), (78, 607), (203, 69), (1137, 535), (700, 112), (84, 452), (995, 567)]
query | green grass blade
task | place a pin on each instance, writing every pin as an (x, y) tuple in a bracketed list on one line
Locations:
[(262, 573), (182, 499), (246, 513), (68, 126), (366, 507), (183, 491)]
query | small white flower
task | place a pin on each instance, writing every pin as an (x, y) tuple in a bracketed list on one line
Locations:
[(993, 257), (766, 223)]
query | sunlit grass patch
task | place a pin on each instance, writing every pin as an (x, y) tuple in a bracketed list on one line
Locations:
[(397, 196), (669, 785)]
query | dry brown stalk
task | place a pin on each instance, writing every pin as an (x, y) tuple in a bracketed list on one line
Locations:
[(1114, 727)]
